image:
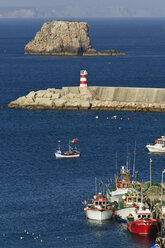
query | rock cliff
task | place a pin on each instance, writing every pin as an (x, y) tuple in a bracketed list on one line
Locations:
[(64, 38)]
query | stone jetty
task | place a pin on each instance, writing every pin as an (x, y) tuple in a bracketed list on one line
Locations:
[(65, 38), (94, 98)]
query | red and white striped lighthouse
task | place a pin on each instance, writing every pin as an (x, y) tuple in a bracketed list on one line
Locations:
[(83, 78)]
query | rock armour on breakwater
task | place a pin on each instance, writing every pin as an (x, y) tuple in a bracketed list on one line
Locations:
[(65, 38), (94, 98)]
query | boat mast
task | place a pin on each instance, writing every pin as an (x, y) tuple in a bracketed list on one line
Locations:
[(127, 158), (116, 174), (59, 148), (69, 146), (134, 152), (95, 186)]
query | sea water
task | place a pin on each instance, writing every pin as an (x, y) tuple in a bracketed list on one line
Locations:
[(41, 196)]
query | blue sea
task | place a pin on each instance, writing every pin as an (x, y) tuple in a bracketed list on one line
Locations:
[(41, 196)]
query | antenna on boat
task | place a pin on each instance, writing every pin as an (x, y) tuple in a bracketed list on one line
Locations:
[(127, 158), (129, 165), (116, 174), (59, 141), (134, 152), (95, 186), (100, 186)]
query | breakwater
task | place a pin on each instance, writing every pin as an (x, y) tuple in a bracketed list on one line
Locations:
[(94, 98)]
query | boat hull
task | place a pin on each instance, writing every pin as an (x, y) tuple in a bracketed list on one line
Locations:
[(95, 214), (155, 149), (67, 155), (144, 227), (122, 214)]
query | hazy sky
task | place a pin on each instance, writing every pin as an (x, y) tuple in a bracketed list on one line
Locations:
[(85, 8), (150, 4)]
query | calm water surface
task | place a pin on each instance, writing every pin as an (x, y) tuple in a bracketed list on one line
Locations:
[(41, 197)]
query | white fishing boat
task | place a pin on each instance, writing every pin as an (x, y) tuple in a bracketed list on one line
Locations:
[(71, 153), (99, 209), (158, 147)]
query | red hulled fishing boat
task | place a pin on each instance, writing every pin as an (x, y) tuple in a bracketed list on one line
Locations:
[(141, 222)]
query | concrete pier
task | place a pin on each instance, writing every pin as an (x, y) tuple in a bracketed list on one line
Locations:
[(95, 98), (127, 94)]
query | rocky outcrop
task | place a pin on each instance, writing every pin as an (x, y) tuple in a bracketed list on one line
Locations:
[(90, 98), (64, 38)]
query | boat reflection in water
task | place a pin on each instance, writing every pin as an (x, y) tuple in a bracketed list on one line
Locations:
[(142, 240), (98, 222), (101, 228)]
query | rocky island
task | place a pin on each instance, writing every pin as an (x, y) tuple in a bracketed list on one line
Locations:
[(65, 38), (94, 98)]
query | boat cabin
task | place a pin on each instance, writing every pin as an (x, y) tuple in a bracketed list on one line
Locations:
[(142, 216), (143, 213), (124, 179), (134, 199), (99, 201), (160, 141)]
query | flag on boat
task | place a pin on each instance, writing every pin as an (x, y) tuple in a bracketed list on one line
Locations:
[(73, 141)]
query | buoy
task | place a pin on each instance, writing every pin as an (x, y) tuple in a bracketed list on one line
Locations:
[(97, 117), (114, 117), (128, 118), (83, 78)]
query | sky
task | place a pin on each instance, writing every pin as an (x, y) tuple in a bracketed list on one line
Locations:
[(152, 4), (94, 8)]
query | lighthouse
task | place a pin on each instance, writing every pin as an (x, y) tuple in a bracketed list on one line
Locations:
[(83, 78)]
